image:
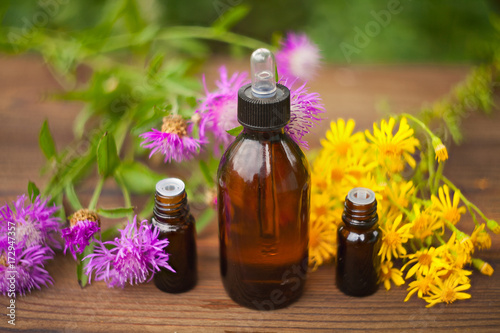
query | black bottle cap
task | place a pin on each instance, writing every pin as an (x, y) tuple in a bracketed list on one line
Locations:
[(264, 114)]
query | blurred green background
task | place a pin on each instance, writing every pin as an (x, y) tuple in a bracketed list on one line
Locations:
[(422, 31)]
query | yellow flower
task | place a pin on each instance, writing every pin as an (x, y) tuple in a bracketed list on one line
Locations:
[(401, 192), (482, 266), (394, 148), (394, 238), (493, 226), (422, 284), (439, 149), (444, 208), (447, 291), (457, 252), (480, 238), (339, 138), (322, 205), (423, 260), (424, 223), (322, 241), (388, 274)]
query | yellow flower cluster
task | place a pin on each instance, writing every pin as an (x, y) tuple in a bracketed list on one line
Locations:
[(412, 216)]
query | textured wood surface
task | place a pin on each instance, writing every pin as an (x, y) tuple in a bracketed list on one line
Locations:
[(348, 92)]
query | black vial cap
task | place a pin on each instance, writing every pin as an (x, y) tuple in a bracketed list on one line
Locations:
[(264, 114)]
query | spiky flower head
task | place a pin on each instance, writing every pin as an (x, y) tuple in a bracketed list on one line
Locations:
[(305, 112), (174, 141), (35, 223), (218, 109), (84, 224), (135, 255), (298, 57), (26, 272)]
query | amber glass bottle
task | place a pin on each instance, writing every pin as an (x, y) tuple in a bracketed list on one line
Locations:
[(263, 206), (171, 215), (358, 239)]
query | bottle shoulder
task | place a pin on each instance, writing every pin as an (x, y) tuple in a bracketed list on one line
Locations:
[(354, 235), (248, 156)]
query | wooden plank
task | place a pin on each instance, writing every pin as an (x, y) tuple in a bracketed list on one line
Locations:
[(347, 92)]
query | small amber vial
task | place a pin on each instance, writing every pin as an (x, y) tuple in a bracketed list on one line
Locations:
[(358, 244), (172, 217)]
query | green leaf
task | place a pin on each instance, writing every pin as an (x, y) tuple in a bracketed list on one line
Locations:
[(46, 141), (155, 64), (235, 131), (83, 278), (81, 120), (147, 211), (138, 178), (206, 173), (115, 213), (107, 156), (72, 197), (111, 232), (230, 17), (33, 191), (61, 213), (204, 219)]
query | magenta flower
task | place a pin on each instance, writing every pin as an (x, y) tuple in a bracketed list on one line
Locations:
[(134, 256), (218, 109), (305, 111), (77, 237), (35, 223), (298, 57), (27, 272), (174, 140)]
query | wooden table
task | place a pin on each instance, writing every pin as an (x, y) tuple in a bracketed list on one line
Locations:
[(347, 92)]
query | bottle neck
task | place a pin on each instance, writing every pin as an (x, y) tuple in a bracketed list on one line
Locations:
[(360, 216), (271, 135), (172, 210)]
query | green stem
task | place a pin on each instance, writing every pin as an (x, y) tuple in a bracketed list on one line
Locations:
[(438, 175), (97, 194), (126, 194), (184, 32), (430, 166), (401, 208), (440, 239), (420, 123)]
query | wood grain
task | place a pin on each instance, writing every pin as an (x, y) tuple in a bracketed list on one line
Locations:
[(347, 92)]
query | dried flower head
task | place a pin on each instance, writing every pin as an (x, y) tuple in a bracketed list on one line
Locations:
[(84, 224)]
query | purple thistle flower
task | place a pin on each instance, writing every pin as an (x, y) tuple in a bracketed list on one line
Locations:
[(28, 268), (135, 255), (218, 109), (298, 57), (174, 140), (305, 111), (77, 237), (35, 223)]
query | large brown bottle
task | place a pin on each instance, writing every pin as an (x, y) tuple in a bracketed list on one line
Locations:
[(172, 216), (263, 199)]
